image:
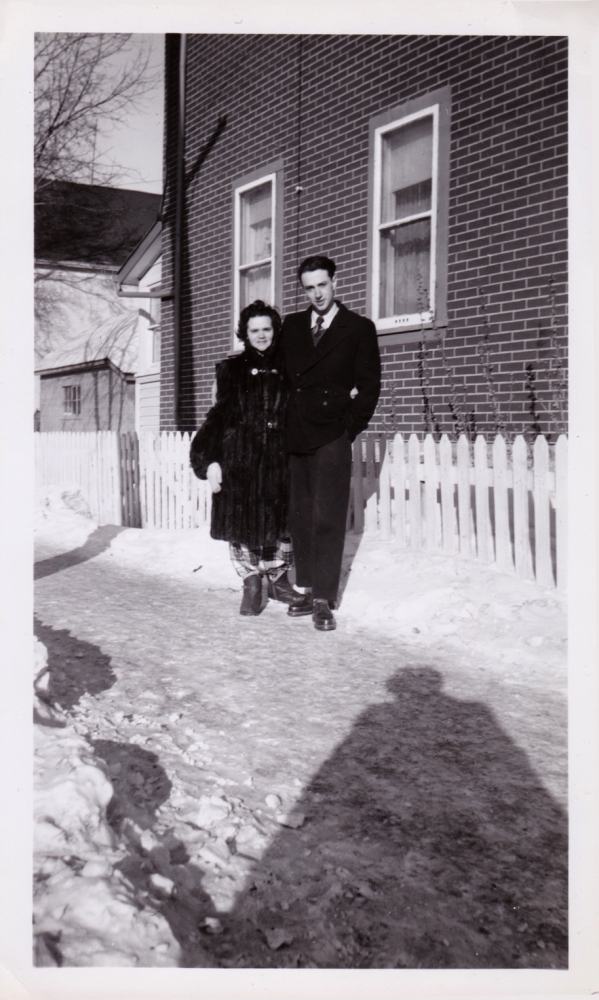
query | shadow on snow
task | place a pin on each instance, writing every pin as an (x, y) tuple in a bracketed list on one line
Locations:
[(97, 542), (429, 842)]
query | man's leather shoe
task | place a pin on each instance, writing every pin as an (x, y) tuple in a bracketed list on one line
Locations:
[(281, 590), (303, 606), (251, 603), (322, 616)]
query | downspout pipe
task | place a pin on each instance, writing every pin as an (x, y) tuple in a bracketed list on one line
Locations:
[(179, 224)]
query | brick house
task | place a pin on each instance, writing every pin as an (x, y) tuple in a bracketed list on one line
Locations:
[(432, 169)]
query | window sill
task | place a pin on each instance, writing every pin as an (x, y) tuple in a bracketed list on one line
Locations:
[(426, 333), (407, 321)]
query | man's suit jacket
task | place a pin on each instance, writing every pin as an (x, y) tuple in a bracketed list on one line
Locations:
[(321, 378)]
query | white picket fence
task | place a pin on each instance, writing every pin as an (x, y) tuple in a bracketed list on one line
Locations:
[(491, 503), (87, 461), (171, 495)]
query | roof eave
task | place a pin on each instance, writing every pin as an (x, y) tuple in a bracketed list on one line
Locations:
[(141, 259)]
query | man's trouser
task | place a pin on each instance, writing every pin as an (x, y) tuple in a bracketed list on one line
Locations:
[(319, 497)]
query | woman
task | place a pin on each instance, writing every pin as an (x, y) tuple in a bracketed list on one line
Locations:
[(241, 451)]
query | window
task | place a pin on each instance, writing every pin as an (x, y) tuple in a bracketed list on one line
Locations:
[(257, 240), (409, 168), (254, 242), (72, 400)]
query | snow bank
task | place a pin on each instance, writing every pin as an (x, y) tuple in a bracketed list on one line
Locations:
[(85, 911), (63, 519), (428, 598), (192, 555)]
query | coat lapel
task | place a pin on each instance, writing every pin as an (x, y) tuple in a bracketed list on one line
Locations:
[(337, 331)]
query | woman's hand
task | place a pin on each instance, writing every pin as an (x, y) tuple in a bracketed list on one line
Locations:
[(214, 476)]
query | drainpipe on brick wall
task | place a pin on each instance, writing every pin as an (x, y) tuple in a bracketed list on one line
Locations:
[(179, 222), (298, 187)]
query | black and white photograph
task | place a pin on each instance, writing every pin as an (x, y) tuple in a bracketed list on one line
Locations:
[(301, 353)]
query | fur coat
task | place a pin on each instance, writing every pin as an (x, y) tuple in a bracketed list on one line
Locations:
[(245, 433)]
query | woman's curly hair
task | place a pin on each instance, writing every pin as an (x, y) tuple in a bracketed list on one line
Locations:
[(258, 308)]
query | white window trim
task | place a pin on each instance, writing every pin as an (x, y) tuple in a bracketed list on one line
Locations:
[(75, 399), (237, 266), (406, 321), (153, 365)]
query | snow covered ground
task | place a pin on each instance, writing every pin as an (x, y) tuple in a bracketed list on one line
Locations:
[(92, 905), (421, 598)]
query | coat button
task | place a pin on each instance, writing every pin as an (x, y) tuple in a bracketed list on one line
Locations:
[(299, 390), (325, 403), (254, 371)]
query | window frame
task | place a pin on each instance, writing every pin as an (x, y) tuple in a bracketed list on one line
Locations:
[(154, 326), (273, 173), (408, 327), (75, 400)]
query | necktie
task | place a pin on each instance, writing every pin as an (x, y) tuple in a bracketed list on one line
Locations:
[(318, 330)]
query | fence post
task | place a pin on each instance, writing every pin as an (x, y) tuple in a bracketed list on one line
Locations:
[(124, 477), (521, 526), (561, 510), (447, 515), (385, 491), (484, 542), (430, 492), (414, 485), (464, 495), (503, 545), (371, 497), (399, 488), (543, 569)]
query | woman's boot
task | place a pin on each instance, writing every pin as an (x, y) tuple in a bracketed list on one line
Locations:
[(251, 603), (281, 590)]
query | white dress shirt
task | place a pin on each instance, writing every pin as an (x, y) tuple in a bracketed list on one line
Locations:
[(327, 318)]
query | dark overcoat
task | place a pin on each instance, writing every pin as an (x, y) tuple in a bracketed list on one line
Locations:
[(321, 378), (245, 433)]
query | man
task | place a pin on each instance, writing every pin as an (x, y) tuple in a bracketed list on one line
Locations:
[(333, 365)]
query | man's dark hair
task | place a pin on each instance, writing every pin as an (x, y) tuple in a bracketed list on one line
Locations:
[(317, 263), (257, 308)]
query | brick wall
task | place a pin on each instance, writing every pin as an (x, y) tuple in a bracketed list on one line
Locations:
[(507, 208)]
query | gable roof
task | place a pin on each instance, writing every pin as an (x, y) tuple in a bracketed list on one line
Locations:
[(86, 224), (142, 259)]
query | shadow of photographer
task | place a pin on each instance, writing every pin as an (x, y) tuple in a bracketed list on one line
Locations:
[(429, 842)]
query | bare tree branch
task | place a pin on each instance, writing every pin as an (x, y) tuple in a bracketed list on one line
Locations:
[(80, 89)]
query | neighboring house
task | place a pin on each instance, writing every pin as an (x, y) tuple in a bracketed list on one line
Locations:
[(92, 395), (84, 332), (140, 278), (432, 169)]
